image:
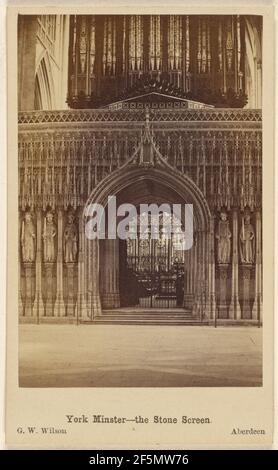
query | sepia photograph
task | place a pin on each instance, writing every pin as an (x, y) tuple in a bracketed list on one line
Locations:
[(140, 200)]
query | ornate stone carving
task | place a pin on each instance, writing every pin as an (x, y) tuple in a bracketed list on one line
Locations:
[(28, 238), (49, 234), (247, 241), (100, 115), (70, 240), (203, 147), (223, 236)]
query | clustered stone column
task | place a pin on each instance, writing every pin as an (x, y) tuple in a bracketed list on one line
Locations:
[(27, 30), (70, 246), (38, 304), (257, 308), (234, 311), (194, 274), (188, 279), (81, 307), (59, 309), (211, 261), (109, 271), (94, 305), (28, 248), (201, 275), (49, 236), (198, 271)]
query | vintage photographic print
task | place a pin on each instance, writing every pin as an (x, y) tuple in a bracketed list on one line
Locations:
[(140, 200)]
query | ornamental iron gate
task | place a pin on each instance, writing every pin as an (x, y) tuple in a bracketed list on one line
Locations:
[(153, 273)]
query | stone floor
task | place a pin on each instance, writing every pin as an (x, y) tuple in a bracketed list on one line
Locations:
[(139, 356)]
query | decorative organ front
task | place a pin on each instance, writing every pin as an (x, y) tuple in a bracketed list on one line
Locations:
[(112, 57)]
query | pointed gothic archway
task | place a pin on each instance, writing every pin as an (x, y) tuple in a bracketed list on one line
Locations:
[(148, 169)]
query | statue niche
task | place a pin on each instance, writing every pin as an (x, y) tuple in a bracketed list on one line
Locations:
[(49, 234), (70, 240), (223, 236), (28, 239), (247, 241)]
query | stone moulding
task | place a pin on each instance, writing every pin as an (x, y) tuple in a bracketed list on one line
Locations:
[(104, 115)]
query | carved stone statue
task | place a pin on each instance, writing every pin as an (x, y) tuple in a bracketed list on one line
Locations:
[(28, 238), (223, 236), (70, 240), (49, 233), (247, 241)]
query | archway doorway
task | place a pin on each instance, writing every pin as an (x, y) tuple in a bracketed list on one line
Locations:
[(147, 269), (116, 276)]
